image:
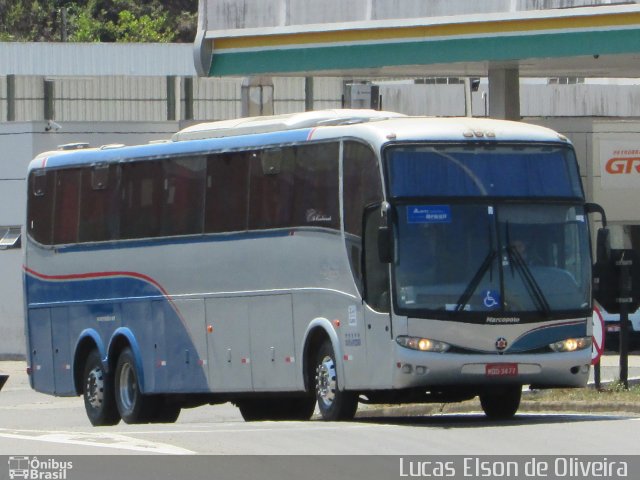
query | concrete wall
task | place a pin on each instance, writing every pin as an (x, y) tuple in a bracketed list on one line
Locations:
[(535, 100), (146, 99), (231, 14), (19, 143)]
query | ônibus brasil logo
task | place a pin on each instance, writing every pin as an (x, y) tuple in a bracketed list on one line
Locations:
[(35, 469)]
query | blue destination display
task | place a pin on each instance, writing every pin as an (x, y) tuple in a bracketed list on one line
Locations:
[(428, 214)]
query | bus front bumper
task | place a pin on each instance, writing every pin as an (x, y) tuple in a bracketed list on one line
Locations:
[(543, 370)]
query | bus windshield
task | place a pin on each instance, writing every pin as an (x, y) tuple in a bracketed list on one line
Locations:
[(481, 257), (493, 170)]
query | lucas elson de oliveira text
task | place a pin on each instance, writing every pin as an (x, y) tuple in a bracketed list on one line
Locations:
[(533, 468)]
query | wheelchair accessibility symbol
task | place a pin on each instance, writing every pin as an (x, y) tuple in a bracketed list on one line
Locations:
[(491, 299)]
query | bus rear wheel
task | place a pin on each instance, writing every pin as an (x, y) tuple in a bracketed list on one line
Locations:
[(134, 407), (98, 393), (334, 404), (502, 402)]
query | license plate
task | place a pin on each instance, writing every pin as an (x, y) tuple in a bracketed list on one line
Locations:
[(613, 328), (501, 369)]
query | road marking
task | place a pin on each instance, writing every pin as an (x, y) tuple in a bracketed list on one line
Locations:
[(100, 440), (252, 427)]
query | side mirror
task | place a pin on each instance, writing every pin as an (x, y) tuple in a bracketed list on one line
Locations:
[(603, 247), (385, 234), (385, 244), (590, 208)]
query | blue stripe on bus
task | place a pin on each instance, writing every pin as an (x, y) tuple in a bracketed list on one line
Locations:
[(106, 305), (543, 336), (94, 287)]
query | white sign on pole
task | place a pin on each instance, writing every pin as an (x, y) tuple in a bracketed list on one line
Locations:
[(598, 336)]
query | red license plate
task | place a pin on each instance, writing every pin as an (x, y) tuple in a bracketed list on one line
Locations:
[(501, 369)]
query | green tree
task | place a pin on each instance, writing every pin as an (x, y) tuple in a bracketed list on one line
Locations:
[(98, 20), (27, 20), (129, 28)]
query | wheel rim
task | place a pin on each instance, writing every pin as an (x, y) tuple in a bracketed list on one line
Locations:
[(326, 381), (128, 390), (95, 387)]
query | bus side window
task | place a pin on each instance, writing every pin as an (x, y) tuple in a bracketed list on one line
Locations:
[(361, 187), (66, 206), (183, 205), (141, 203), (40, 206), (271, 189), (99, 205), (376, 273), (316, 181), (227, 192)]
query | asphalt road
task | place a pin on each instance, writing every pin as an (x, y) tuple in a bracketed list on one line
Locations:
[(36, 424)]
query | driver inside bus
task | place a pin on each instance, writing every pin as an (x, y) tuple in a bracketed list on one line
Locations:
[(523, 250)]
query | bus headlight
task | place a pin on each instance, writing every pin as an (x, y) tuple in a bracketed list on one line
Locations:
[(422, 344), (571, 344)]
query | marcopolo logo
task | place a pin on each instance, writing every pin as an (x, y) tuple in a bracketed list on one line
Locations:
[(38, 469)]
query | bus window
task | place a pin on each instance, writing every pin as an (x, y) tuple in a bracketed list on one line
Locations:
[(362, 184), (376, 273), (141, 205), (183, 196), (227, 192), (361, 187), (40, 208), (99, 207), (271, 188), (66, 206), (315, 198)]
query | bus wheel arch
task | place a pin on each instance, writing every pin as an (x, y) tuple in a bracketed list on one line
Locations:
[(315, 338), (85, 346), (319, 332)]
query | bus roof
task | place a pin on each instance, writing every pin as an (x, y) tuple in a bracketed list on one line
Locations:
[(375, 127)]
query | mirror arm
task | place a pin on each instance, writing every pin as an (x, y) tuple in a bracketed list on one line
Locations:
[(595, 208)]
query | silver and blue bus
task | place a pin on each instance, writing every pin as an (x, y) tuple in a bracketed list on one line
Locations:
[(324, 258)]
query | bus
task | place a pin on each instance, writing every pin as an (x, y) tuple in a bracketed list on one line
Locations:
[(325, 259)]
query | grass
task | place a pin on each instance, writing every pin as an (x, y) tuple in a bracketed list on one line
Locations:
[(610, 393), (611, 398)]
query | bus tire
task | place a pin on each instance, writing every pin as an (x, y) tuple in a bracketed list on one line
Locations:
[(334, 404), (501, 403), (300, 408), (134, 407), (261, 409), (98, 393), (163, 411)]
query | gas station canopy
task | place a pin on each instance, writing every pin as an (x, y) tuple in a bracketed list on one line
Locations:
[(601, 40)]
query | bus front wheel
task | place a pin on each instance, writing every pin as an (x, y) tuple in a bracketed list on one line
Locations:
[(334, 404), (501, 403), (98, 393)]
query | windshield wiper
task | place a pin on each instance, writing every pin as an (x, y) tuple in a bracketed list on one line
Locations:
[(533, 288), (475, 281)]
